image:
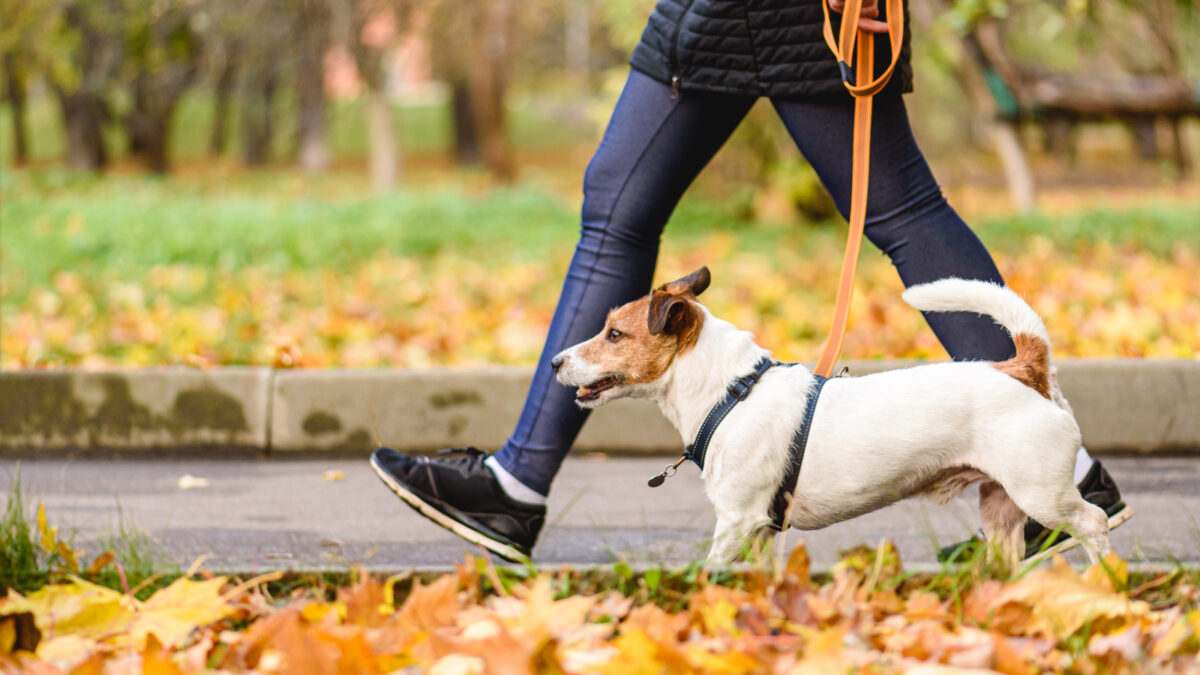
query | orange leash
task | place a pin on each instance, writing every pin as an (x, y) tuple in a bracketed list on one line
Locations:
[(863, 88)]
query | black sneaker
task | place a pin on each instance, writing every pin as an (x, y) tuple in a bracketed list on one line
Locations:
[(1097, 488), (462, 495)]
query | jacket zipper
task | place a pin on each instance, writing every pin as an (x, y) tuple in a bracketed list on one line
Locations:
[(674, 56)]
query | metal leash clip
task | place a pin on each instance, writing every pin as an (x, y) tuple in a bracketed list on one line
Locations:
[(671, 470)]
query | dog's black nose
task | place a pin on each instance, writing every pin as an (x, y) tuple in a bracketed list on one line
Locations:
[(556, 362)]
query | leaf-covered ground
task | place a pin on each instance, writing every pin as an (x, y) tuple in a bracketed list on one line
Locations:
[(867, 616), (273, 270), (63, 611)]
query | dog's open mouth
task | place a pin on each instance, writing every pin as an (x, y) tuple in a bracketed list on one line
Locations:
[(593, 390)]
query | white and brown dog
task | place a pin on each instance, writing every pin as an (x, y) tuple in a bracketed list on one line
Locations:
[(874, 440)]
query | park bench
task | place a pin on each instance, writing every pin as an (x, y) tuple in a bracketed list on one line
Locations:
[(1061, 102)]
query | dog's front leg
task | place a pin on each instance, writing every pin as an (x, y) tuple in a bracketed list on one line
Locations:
[(732, 538)]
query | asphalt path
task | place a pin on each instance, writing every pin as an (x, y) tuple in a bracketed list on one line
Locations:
[(255, 514)]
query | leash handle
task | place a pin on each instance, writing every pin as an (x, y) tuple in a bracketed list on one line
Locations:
[(851, 36), (863, 87)]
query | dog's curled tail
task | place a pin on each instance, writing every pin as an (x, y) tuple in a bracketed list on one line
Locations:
[(1031, 365)]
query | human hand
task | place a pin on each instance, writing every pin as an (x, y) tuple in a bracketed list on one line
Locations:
[(867, 22)]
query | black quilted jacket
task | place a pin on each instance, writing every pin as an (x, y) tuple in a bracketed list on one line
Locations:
[(769, 48)]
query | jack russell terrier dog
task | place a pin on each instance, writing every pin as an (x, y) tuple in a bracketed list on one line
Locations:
[(871, 441)]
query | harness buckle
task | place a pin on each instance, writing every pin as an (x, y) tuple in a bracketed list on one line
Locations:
[(740, 388)]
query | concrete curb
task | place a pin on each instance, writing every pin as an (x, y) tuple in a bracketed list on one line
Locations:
[(174, 409), (1123, 406), (423, 410)]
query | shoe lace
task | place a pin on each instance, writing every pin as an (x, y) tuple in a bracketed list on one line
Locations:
[(469, 456)]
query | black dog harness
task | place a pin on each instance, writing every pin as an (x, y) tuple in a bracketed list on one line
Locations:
[(737, 392)]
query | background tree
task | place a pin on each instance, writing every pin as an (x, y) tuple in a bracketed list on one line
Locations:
[(229, 24), (80, 58), (162, 60), (23, 22), (266, 32), (481, 41), (313, 39), (371, 30)]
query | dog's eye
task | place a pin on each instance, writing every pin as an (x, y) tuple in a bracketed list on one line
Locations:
[(614, 335)]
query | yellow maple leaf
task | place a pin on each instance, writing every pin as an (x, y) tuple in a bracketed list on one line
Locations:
[(1057, 602), (172, 613), (315, 612), (729, 662), (1108, 574), (637, 654), (67, 649), (78, 608)]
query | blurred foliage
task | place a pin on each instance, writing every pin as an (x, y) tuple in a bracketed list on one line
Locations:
[(294, 272), (128, 54), (222, 265)]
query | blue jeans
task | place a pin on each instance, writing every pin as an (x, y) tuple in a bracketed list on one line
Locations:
[(652, 151)]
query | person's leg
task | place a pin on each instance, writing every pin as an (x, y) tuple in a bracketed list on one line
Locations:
[(907, 215), (910, 220), (652, 150), (654, 147)]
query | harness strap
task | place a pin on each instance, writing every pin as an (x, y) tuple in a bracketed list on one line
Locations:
[(863, 88), (787, 489), (737, 392)]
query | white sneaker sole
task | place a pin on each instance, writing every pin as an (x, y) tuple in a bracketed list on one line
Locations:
[(1071, 542), (499, 548)]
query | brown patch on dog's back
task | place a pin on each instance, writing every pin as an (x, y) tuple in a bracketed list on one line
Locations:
[(1031, 365)]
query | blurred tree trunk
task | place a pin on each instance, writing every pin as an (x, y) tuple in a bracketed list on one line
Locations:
[(147, 125), (156, 91), (313, 41), (222, 94), (258, 96), (478, 39), (383, 154), (83, 117), (577, 30), (351, 18), (466, 138), (94, 58), (983, 51), (14, 93), (490, 48)]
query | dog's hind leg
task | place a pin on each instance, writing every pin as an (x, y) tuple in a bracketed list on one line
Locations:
[(1003, 524), (1091, 526), (1034, 462), (1067, 510)]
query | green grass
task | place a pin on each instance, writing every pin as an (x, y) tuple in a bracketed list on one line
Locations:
[(131, 225), (21, 567), (282, 221), (1157, 228), (140, 562)]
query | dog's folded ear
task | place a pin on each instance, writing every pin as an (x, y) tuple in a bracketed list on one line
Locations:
[(694, 283), (669, 313)]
